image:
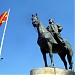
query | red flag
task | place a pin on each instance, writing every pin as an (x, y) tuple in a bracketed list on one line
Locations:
[(3, 17)]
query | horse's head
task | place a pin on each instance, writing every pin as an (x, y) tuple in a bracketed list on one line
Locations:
[(35, 20)]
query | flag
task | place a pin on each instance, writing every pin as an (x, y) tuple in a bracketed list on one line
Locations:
[(3, 17)]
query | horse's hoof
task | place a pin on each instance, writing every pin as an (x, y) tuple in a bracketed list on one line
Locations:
[(52, 66), (70, 67), (46, 65)]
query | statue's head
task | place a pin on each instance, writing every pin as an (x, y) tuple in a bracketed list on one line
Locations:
[(35, 20), (51, 21)]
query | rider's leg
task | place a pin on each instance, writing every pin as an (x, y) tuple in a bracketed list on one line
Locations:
[(62, 41)]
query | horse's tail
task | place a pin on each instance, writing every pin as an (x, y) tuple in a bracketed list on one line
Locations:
[(69, 48), (69, 55)]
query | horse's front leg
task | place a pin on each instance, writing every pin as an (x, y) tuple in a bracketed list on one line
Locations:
[(44, 57), (51, 54)]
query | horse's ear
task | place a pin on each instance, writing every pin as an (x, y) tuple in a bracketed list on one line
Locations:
[(31, 18), (32, 15), (36, 14)]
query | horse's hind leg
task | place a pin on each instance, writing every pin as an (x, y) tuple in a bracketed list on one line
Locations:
[(62, 56), (69, 57)]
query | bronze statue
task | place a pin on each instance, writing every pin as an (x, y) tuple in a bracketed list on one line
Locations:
[(48, 44), (55, 30)]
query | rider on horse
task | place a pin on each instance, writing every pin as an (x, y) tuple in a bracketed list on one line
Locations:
[(55, 30)]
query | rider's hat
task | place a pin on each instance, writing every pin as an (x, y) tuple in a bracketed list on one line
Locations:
[(51, 21)]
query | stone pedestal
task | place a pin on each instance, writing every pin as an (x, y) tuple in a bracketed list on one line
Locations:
[(51, 71)]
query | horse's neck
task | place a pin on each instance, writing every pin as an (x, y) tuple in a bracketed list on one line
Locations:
[(41, 29)]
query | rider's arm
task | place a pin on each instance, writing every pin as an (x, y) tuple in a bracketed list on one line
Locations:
[(48, 28), (60, 28)]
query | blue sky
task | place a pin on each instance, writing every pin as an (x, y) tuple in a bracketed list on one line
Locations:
[(20, 50)]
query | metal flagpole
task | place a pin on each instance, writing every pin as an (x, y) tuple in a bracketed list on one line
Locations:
[(4, 33)]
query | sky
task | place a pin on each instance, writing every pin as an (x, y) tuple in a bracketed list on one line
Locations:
[(20, 50)]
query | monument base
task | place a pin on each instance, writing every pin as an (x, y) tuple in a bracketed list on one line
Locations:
[(51, 71)]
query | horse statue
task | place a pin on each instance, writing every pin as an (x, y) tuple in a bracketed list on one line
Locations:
[(49, 45)]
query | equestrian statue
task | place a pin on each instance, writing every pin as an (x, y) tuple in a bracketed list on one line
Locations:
[(50, 41)]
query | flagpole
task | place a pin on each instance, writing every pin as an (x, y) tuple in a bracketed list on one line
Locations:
[(4, 33)]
